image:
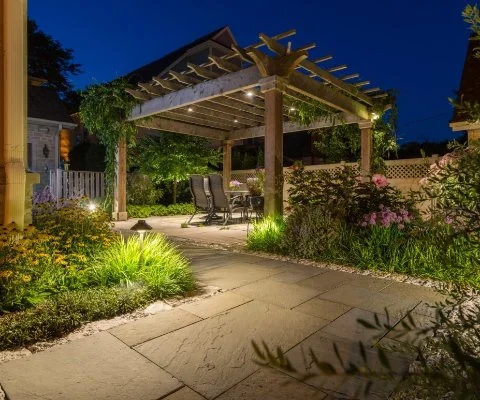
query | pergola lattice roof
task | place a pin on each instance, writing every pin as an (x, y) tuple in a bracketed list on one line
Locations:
[(223, 98)]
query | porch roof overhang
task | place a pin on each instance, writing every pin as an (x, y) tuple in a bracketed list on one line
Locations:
[(223, 98)]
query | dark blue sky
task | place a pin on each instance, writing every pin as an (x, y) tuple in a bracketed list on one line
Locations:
[(416, 47)]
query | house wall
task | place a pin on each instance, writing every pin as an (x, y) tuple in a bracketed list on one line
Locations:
[(39, 135)]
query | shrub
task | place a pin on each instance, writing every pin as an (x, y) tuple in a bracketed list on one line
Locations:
[(311, 232), (343, 193), (145, 211), (66, 312), (454, 184), (156, 263), (266, 234), (35, 265), (141, 190), (76, 228)]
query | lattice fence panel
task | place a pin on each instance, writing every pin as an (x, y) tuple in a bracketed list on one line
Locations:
[(406, 171)]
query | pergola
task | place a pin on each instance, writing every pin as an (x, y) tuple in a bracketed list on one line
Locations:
[(246, 94)]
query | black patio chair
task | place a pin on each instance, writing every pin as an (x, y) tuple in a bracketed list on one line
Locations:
[(220, 201), (199, 195)]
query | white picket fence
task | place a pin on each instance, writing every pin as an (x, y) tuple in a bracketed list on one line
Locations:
[(68, 184)]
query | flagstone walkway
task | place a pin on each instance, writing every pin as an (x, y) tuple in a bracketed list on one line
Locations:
[(202, 350)]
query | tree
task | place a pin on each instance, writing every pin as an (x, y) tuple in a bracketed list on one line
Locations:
[(172, 157), (48, 59)]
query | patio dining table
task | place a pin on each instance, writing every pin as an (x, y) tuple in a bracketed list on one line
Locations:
[(242, 194)]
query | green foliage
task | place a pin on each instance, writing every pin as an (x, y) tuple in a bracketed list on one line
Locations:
[(171, 157), (447, 366), (67, 311), (256, 184), (266, 234), (75, 227), (311, 232), (341, 192), (48, 59), (104, 111), (156, 263), (51, 258), (341, 142), (454, 184), (158, 210), (141, 190)]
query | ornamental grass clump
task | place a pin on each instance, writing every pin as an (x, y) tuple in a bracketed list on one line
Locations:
[(266, 234), (155, 264)]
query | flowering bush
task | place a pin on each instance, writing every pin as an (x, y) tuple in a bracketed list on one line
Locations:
[(234, 184), (385, 217), (75, 227), (33, 265), (255, 185), (52, 257), (454, 185), (343, 193), (379, 180)]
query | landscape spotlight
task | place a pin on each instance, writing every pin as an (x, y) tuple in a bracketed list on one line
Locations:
[(141, 227)]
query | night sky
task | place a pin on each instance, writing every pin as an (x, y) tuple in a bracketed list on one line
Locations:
[(416, 47)]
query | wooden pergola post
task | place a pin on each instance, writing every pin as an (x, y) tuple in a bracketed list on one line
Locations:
[(227, 163), (120, 196), (14, 108), (273, 87), (365, 147)]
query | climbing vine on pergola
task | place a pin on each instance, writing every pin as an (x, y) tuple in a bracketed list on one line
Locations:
[(250, 93)]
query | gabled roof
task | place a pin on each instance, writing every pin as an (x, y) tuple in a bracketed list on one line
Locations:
[(469, 89), (222, 36), (43, 103)]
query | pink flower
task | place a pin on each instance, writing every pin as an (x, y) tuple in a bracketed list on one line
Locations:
[(448, 220), (379, 180)]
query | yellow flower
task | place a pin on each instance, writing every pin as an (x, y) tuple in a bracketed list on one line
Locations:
[(27, 278), (5, 274)]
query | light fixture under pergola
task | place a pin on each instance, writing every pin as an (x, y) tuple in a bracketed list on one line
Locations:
[(241, 95)]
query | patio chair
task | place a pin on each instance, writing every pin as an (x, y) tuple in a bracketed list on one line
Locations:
[(199, 195), (220, 201)]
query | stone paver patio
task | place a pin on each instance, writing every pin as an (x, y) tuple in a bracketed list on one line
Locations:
[(202, 350)]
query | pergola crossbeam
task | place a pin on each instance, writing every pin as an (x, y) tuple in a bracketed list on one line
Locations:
[(153, 89), (223, 85), (170, 85), (221, 107), (184, 116), (290, 127), (311, 67), (212, 111), (225, 65), (168, 125), (301, 83), (138, 94)]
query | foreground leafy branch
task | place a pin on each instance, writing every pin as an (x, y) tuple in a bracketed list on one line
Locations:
[(447, 364)]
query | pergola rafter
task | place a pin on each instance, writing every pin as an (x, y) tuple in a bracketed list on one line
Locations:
[(241, 95)]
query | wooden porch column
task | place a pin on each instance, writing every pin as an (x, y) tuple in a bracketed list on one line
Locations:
[(473, 135), (273, 87), (120, 196), (13, 45), (227, 163), (365, 147)]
